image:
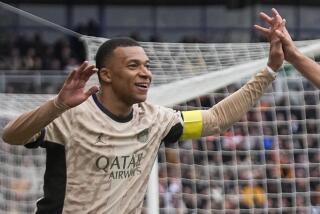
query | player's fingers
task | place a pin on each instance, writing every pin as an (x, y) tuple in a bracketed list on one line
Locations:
[(277, 21), (76, 73), (284, 22), (265, 18), (85, 77), (265, 31), (86, 70), (285, 31), (282, 37), (83, 66), (72, 75), (92, 90), (262, 29), (282, 25), (275, 12), (279, 34), (284, 28)]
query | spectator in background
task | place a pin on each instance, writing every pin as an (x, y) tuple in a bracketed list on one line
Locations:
[(252, 196)]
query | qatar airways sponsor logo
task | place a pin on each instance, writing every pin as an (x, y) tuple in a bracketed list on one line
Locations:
[(120, 167)]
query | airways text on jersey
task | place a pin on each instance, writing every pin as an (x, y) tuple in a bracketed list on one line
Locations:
[(120, 167)]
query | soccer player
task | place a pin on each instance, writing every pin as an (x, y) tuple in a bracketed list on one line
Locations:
[(306, 66), (101, 144)]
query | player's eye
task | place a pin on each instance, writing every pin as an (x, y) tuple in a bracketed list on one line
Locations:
[(133, 65)]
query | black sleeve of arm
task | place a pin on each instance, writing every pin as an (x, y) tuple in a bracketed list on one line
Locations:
[(174, 134), (38, 143)]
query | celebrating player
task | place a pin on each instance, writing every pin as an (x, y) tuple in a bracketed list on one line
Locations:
[(101, 144)]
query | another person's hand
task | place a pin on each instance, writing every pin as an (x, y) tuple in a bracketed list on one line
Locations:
[(277, 27), (73, 90)]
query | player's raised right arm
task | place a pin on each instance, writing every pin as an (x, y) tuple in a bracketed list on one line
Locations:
[(73, 93)]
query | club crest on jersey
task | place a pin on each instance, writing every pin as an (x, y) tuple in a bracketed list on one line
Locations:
[(143, 136)]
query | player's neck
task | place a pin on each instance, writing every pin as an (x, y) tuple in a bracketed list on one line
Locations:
[(114, 105)]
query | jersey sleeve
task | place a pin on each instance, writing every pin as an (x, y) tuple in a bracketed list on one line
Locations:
[(231, 109), (58, 131), (27, 126), (173, 125), (221, 116)]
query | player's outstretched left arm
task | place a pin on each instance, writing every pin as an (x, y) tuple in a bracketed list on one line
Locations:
[(73, 93), (221, 116)]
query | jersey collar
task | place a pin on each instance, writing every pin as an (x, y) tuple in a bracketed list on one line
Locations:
[(110, 114)]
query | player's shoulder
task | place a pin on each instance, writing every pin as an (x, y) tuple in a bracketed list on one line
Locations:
[(153, 109), (87, 106)]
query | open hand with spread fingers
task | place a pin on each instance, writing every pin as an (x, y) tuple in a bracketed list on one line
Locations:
[(276, 55), (277, 27), (306, 66), (73, 91)]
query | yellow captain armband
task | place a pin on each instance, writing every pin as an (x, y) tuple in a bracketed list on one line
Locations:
[(192, 127)]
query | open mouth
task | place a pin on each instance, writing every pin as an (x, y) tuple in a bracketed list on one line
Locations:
[(142, 85)]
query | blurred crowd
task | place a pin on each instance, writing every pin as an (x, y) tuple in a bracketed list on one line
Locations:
[(19, 52), (30, 55), (267, 161), (32, 52)]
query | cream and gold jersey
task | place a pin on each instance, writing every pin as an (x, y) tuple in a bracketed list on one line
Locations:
[(103, 161), (100, 163)]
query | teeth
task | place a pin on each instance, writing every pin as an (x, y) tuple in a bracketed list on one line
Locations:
[(142, 85)]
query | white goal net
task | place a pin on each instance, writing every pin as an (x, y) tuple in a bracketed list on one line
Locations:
[(268, 162)]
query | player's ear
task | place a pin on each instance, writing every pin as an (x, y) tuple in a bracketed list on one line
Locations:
[(105, 75)]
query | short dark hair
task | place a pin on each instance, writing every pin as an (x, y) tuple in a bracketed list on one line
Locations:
[(107, 48)]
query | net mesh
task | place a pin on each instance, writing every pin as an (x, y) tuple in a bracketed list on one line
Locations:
[(171, 62), (266, 163)]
